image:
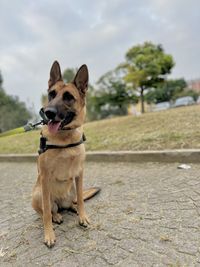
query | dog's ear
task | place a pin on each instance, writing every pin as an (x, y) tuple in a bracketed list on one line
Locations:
[(55, 74), (81, 79)]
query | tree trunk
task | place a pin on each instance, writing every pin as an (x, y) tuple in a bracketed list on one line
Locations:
[(142, 100)]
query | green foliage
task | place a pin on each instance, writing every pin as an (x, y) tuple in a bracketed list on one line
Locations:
[(166, 91), (188, 93), (44, 100), (13, 113), (146, 66), (69, 74), (91, 104), (112, 96), (1, 80)]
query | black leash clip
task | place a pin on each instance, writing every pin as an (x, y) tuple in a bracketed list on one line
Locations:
[(45, 120), (29, 126)]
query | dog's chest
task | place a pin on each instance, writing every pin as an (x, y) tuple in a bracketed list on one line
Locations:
[(65, 166), (60, 167)]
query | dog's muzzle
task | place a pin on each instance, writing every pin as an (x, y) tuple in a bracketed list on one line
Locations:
[(50, 113)]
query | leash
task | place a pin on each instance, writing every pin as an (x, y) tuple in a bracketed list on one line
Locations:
[(26, 128)]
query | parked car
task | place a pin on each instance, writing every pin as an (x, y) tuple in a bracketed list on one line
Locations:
[(198, 100), (184, 101), (162, 106)]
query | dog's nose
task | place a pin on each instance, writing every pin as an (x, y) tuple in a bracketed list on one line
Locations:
[(50, 112)]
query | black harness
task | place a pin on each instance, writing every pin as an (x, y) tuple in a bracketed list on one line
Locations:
[(44, 146)]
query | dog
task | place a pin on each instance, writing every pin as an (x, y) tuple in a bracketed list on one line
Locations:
[(60, 169)]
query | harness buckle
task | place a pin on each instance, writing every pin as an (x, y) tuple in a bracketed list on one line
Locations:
[(42, 148)]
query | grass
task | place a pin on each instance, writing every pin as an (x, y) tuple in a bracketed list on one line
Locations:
[(172, 129)]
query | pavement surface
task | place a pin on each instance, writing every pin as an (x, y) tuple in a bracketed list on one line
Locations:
[(147, 214)]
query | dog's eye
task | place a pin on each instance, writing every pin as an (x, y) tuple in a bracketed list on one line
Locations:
[(51, 95), (68, 97)]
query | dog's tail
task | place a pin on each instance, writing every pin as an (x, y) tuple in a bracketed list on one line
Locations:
[(89, 193)]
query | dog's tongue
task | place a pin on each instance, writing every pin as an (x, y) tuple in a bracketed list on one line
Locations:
[(53, 127)]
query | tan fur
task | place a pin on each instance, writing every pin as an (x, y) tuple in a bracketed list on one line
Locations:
[(60, 171)]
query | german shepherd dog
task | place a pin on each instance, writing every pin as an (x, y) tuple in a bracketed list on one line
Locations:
[(60, 171)]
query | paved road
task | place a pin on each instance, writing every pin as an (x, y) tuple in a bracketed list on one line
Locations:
[(146, 215)]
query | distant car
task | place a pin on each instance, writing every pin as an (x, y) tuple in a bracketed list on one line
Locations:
[(198, 100), (184, 101), (162, 106)]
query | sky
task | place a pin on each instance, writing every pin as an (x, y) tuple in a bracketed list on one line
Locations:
[(96, 33)]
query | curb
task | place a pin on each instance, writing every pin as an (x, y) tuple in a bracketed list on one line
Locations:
[(170, 156)]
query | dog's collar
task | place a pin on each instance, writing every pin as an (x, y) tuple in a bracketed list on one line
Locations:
[(68, 129), (44, 146)]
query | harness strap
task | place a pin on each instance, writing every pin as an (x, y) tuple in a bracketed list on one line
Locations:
[(44, 146)]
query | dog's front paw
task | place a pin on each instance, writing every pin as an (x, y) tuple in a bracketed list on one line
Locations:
[(83, 220), (50, 239), (57, 218)]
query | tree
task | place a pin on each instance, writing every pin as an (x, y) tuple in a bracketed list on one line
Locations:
[(13, 112), (112, 96), (92, 104), (44, 99), (1, 80), (146, 65), (187, 92), (69, 74), (166, 91)]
